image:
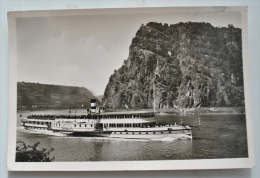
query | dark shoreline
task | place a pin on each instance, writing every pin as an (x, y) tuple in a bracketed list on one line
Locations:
[(164, 111)]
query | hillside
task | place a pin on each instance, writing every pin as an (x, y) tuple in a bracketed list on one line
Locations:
[(192, 65), (43, 96), (100, 98)]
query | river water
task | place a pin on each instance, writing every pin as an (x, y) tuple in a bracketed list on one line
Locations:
[(219, 136)]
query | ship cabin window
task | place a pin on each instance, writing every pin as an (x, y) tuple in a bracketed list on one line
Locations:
[(133, 133), (146, 132), (33, 122), (75, 125), (79, 125), (170, 132), (139, 132), (120, 132), (153, 132), (114, 132), (91, 125), (85, 125), (126, 132), (161, 132)]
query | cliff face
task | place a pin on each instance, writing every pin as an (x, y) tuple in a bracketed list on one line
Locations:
[(191, 64), (42, 96)]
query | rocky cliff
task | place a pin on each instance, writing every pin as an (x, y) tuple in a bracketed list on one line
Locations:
[(42, 96), (190, 64)]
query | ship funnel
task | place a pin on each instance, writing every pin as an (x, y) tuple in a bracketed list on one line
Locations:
[(93, 104)]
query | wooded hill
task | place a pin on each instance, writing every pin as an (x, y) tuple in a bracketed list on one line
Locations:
[(43, 96)]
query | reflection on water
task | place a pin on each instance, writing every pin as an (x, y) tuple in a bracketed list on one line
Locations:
[(220, 136)]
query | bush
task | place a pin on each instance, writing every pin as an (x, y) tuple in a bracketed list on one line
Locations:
[(30, 153)]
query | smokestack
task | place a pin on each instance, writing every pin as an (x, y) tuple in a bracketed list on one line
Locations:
[(93, 104)]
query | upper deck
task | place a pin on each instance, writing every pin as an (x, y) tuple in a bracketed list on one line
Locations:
[(108, 115)]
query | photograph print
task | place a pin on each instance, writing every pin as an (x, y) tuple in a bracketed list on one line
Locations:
[(120, 85)]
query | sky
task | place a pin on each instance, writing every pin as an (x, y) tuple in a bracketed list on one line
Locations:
[(84, 50)]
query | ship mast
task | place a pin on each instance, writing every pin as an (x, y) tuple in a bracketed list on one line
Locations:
[(154, 76), (154, 95)]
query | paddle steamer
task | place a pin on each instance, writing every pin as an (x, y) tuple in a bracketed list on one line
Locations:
[(134, 124)]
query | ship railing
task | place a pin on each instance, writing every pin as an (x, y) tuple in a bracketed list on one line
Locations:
[(53, 117)]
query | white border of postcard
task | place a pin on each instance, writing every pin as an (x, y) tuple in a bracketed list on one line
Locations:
[(123, 165)]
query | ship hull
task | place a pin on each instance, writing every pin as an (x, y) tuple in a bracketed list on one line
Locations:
[(178, 134)]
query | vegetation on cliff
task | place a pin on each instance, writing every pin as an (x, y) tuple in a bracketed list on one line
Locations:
[(196, 65)]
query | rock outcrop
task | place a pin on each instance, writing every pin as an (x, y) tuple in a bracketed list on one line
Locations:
[(191, 65)]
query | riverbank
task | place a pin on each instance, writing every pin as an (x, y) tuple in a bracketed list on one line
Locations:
[(160, 111), (190, 111)]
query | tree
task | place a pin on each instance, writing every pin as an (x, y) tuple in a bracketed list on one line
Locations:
[(30, 153)]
